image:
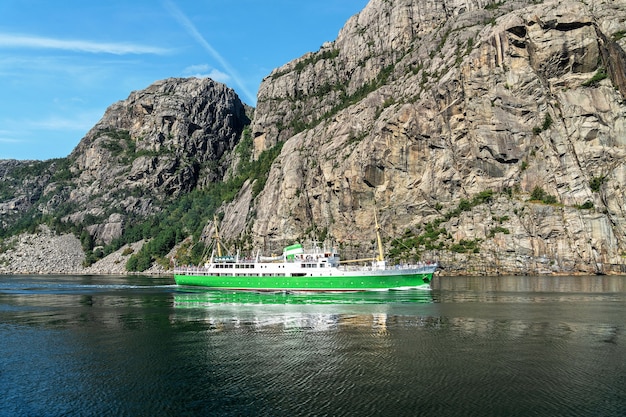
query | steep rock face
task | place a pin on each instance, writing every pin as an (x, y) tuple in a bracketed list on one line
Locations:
[(21, 185), (420, 106), (158, 143), (161, 142)]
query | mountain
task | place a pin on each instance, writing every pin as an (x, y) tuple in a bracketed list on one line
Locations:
[(488, 135), (146, 154)]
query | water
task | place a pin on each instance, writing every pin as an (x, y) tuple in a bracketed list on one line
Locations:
[(138, 346)]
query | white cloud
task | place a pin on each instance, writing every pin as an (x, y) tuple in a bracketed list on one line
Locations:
[(197, 68), (9, 140), (206, 71), (78, 122), (10, 136), (36, 42), (60, 123)]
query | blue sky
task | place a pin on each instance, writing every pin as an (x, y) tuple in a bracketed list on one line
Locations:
[(62, 63)]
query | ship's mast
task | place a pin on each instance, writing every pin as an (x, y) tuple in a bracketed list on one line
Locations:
[(381, 256), (217, 238)]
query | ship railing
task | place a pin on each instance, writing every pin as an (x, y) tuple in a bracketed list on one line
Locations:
[(355, 268), (420, 267), (191, 270)]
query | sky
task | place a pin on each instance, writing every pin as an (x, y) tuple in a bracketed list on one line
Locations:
[(62, 63)]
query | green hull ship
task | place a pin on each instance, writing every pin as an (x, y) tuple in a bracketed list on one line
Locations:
[(332, 279), (298, 269)]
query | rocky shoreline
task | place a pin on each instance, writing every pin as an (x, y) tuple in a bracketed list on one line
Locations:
[(47, 253)]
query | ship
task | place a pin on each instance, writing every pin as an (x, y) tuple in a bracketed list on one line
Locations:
[(298, 269)]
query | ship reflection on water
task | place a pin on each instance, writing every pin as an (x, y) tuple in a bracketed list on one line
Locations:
[(291, 310), (199, 298)]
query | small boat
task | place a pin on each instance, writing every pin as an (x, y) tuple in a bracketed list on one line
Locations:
[(301, 269)]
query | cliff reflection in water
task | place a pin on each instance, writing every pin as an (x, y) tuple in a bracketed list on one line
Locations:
[(535, 284)]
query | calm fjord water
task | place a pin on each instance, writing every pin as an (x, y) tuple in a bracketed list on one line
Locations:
[(138, 346)]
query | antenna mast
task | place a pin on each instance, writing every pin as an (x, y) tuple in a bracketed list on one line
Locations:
[(217, 237)]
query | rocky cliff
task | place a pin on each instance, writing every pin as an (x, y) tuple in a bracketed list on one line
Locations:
[(175, 136), (488, 135), (159, 143)]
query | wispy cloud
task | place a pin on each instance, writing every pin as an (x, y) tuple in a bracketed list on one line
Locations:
[(9, 140), (77, 122), (36, 42), (194, 33), (65, 124), (11, 137), (206, 71)]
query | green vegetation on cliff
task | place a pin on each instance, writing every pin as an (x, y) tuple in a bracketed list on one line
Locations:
[(433, 236)]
